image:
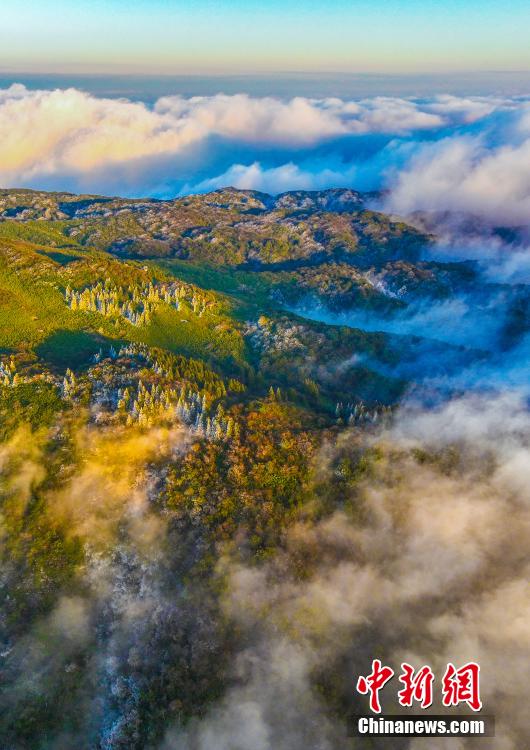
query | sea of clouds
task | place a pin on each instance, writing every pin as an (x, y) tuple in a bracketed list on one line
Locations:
[(447, 153), (435, 568)]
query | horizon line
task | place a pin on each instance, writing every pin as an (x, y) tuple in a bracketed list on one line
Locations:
[(260, 73)]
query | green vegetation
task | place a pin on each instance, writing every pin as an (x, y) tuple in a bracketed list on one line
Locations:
[(163, 416)]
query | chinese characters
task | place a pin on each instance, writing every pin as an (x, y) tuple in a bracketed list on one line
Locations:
[(458, 685)]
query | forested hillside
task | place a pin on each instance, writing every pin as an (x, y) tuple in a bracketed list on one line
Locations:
[(201, 423)]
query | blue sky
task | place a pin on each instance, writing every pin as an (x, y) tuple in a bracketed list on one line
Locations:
[(207, 36)]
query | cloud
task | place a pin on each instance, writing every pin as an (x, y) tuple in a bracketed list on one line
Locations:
[(465, 174), (264, 120), (443, 152), (106, 619), (105, 491), (468, 109), (279, 179), (426, 563)]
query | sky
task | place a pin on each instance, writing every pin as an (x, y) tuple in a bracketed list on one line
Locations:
[(245, 36), (428, 101)]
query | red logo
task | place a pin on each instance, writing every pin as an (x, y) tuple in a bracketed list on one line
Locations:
[(373, 683), (418, 686), (458, 685), (462, 686)]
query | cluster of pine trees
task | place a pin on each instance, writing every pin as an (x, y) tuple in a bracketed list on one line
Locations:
[(146, 404), (135, 303), (8, 373), (360, 414), (177, 367), (69, 386), (192, 410)]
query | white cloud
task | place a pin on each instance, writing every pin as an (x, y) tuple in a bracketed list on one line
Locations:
[(470, 154), (65, 131), (266, 119), (468, 109), (95, 143), (288, 176), (462, 173)]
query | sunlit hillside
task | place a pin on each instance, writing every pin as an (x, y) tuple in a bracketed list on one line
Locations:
[(243, 438)]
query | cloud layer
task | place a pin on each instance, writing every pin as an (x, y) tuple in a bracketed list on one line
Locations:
[(436, 570), (445, 153)]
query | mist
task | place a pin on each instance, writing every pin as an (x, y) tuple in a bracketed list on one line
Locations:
[(423, 559), (427, 563)]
